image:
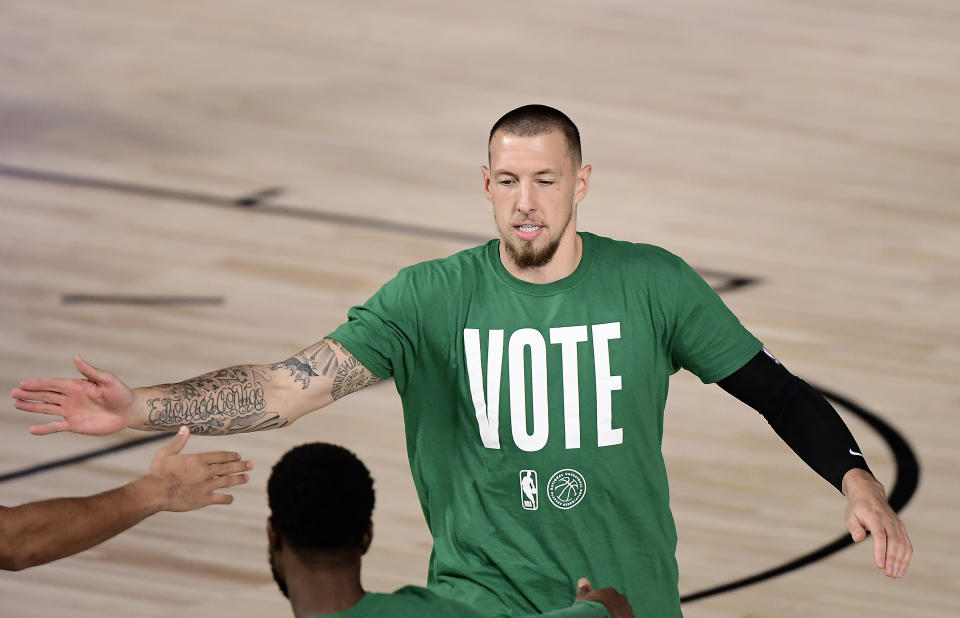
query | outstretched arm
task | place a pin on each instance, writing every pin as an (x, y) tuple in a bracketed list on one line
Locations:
[(232, 400), (810, 426), (40, 532)]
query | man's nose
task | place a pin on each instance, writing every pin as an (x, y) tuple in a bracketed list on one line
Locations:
[(525, 199)]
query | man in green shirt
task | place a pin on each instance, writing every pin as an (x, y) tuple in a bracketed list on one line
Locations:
[(321, 506), (533, 372)]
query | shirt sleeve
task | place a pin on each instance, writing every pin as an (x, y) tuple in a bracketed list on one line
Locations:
[(383, 332), (708, 339)]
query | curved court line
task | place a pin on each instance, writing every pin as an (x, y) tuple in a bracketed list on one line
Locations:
[(906, 479)]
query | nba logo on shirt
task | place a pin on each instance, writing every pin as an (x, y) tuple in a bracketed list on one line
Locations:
[(528, 490)]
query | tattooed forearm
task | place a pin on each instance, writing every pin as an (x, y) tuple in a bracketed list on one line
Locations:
[(225, 401)]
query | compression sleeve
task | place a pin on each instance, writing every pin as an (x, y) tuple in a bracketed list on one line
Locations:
[(799, 414)]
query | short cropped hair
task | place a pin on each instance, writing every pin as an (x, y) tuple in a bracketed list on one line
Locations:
[(531, 120), (321, 498)]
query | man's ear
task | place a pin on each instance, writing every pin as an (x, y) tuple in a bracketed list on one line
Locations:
[(367, 539), (583, 183), (486, 182), (273, 539)]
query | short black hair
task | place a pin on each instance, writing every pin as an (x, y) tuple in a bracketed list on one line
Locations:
[(536, 119), (321, 498)]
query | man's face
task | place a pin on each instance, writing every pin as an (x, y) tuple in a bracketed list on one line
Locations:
[(534, 186)]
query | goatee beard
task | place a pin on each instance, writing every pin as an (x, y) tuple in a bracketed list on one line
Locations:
[(525, 256)]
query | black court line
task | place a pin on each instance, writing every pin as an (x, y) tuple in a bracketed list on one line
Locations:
[(254, 205), (255, 202), (255, 199), (66, 461), (131, 299), (728, 281), (906, 480)]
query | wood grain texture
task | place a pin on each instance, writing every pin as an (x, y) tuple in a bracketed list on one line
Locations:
[(815, 145)]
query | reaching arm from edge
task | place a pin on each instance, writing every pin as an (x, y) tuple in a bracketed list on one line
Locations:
[(806, 421), (232, 400), (39, 532)]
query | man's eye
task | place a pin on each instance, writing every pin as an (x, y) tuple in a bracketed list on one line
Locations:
[(506, 182), (545, 183)]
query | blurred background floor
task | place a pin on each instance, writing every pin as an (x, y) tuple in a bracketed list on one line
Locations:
[(814, 146)]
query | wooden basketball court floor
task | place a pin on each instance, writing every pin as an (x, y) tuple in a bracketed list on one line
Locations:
[(811, 148)]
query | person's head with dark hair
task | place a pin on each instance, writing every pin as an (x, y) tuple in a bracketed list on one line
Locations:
[(536, 119), (321, 507), (535, 182)]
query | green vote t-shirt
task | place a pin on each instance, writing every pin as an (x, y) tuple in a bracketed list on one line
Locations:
[(534, 415)]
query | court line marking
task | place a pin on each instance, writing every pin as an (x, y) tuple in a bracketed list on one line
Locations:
[(255, 203), (905, 482), (138, 299), (66, 461)]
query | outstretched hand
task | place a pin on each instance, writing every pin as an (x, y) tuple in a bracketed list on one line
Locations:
[(98, 405), (616, 603), (869, 511), (191, 480)]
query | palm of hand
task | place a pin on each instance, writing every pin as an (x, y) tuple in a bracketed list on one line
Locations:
[(98, 405), (96, 409)]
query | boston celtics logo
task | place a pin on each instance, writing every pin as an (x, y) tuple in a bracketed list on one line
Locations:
[(566, 488)]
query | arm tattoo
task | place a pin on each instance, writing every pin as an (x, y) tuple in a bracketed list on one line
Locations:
[(226, 401), (351, 376), (301, 366), (330, 359)]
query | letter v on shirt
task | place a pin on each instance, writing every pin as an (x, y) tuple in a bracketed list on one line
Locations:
[(486, 395)]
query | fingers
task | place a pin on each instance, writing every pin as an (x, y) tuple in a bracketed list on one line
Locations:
[(216, 457), (904, 560), (45, 396), (230, 468), (899, 550), (90, 372), (54, 427), (231, 480), (47, 384), (880, 547), (174, 446), (221, 499), (222, 482), (37, 407), (857, 531), (892, 548), (583, 589)]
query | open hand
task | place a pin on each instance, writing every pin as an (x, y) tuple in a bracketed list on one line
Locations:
[(192, 479), (98, 405)]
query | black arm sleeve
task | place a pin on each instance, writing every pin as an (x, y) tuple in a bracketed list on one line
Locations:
[(799, 414)]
